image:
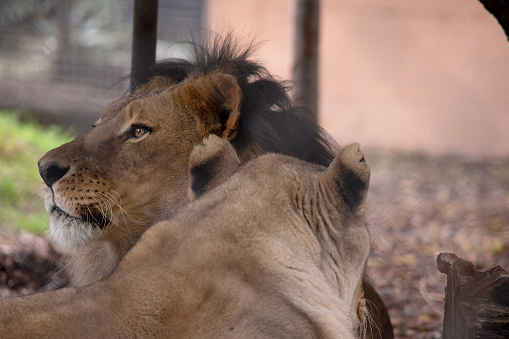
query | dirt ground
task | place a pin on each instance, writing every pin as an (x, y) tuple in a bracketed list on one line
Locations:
[(419, 206)]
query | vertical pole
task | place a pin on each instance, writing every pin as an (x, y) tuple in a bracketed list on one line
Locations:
[(144, 37), (63, 33), (305, 62)]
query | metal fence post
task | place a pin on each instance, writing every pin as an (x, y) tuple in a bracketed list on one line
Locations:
[(144, 37)]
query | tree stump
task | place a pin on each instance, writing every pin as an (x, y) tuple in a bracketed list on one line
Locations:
[(476, 303)]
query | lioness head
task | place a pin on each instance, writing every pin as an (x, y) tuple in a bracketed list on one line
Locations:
[(106, 187), (302, 224)]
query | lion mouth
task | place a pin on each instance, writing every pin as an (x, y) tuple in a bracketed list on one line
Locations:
[(94, 219)]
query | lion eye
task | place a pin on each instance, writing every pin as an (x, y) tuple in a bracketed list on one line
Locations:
[(137, 131)]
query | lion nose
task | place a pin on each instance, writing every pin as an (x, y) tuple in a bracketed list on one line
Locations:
[(51, 172)]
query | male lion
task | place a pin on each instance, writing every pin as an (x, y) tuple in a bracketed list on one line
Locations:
[(277, 250), (105, 188)]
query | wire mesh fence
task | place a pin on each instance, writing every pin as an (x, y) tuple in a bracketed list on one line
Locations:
[(79, 46)]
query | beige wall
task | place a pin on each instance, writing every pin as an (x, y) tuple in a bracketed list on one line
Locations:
[(412, 75)]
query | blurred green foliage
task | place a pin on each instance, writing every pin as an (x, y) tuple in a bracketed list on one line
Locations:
[(22, 143)]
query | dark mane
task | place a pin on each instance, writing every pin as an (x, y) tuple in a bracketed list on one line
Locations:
[(267, 115)]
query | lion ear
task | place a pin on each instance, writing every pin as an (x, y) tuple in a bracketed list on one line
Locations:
[(348, 177), (211, 163), (215, 101)]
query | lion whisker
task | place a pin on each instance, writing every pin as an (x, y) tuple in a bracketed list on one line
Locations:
[(121, 212), (90, 212), (100, 204), (369, 320)]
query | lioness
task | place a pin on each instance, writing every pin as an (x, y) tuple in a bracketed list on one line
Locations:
[(278, 250), (107, 187)]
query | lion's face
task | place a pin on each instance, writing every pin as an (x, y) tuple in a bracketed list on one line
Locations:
[(122, 173), (108, 186)]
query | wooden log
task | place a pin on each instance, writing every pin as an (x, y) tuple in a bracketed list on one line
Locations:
[(476, 303)]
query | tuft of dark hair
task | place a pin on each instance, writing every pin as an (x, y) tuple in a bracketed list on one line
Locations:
[(267, 115)]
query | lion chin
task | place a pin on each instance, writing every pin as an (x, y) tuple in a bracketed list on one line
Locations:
[(70, 233)]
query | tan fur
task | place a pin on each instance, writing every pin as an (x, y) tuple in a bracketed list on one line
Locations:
[(137, 182), (277, 250), (134, 182)]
